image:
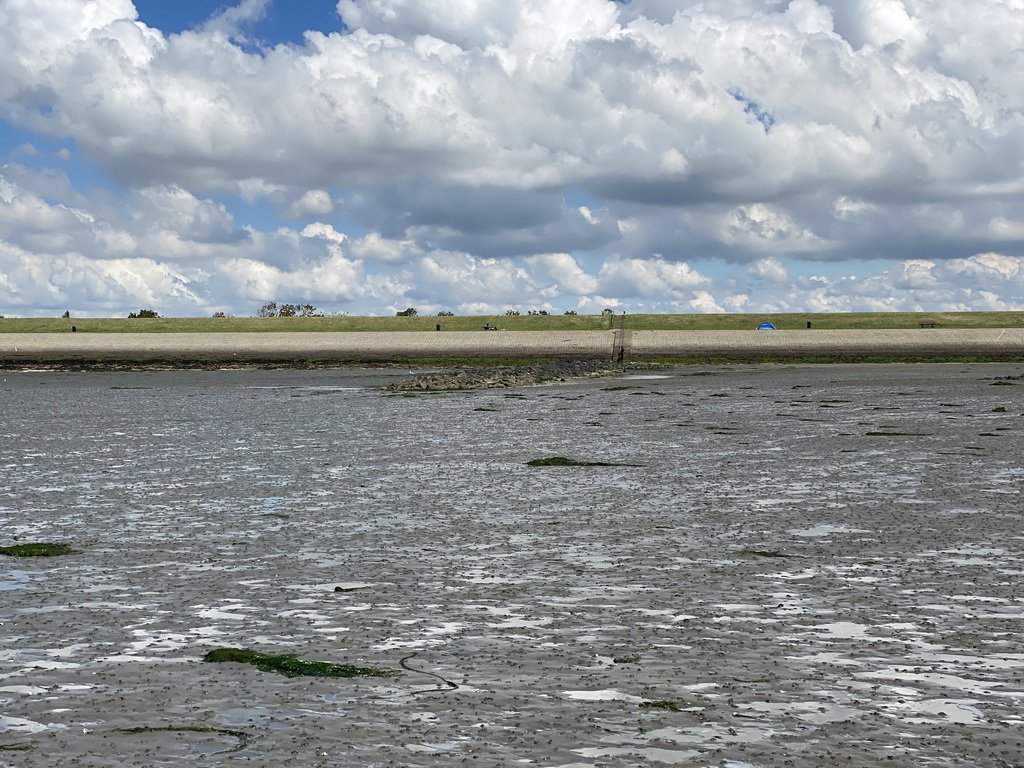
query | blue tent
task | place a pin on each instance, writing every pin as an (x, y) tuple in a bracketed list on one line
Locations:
[(766, 327)]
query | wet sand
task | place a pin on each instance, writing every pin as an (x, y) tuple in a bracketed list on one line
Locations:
[(793, 565), (609, 345)]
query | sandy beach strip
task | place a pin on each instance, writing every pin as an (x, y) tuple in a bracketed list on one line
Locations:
[(839, 344), (305, 346), (939, 342)]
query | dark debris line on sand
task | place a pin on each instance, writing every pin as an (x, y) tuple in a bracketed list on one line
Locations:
[(562, 461)]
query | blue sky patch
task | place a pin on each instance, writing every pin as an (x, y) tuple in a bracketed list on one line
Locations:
[(755, 110)]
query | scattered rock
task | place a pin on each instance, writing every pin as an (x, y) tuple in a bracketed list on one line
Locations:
[(502, 376)]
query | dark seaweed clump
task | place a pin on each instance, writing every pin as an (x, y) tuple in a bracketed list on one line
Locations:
[(762, 553), (293, 667), (38, 549), (561, 461), (671, 706)]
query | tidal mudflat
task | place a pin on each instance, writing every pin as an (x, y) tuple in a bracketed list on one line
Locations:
[(761, 566)]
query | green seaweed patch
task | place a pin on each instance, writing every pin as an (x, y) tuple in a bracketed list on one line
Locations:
[(493, 410), (38, 549), (762, 553), (562, 461), (1003, 384), (615, 389), (290, 666), (242, 736), (626, 659), (17, 747), (999, 409), (671, 706)]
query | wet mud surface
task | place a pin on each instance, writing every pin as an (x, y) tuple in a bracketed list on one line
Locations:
[(790, 566)]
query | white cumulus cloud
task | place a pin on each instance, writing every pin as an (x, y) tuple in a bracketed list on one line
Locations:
[(471, 153)]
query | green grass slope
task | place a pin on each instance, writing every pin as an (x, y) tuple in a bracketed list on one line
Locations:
[(690, 322)]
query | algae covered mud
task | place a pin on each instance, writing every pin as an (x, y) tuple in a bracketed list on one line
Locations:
[(734, 566)]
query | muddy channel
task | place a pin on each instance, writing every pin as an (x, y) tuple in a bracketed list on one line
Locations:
[(776, 566)]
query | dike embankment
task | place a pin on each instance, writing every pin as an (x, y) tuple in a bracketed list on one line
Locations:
[(76, 350), (834, 345)]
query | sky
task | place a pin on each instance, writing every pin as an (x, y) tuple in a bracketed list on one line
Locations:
[(481, 156)]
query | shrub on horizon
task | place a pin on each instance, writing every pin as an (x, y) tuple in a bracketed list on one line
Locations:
[(271, 309)]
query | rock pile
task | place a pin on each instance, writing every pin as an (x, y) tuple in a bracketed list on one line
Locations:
[(500, 376)]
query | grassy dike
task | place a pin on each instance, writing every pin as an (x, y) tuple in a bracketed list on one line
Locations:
[(686, 322), (837, 321), (524, 340), (306, 324)]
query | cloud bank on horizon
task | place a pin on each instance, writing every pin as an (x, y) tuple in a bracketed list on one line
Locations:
[(483, 155)]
